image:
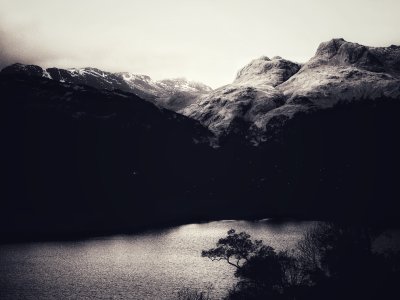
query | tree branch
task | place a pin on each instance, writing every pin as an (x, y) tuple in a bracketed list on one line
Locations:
[(231, 263)]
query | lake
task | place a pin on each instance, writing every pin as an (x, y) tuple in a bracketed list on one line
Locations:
[(149, 265)]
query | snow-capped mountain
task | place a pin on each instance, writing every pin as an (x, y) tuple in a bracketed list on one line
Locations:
[(174, 94), (326, 135), (249, 97), (267, 92), (265, 71)]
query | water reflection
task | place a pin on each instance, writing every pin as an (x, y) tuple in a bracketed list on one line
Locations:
[(150, 265)]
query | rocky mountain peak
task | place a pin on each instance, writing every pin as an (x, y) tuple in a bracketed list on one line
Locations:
[(267, 71), (339, 52), (184, 84), (330, 48), (267, 92)]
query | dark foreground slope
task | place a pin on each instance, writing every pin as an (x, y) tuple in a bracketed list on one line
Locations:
[(79, 160), (76, 158), (338, 163)]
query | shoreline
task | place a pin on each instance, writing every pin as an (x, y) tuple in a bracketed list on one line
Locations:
[(8, 238)]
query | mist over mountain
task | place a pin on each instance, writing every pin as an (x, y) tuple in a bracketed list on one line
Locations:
[(90, 150)]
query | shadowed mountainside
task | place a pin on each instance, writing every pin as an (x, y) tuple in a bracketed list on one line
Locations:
[(79, 159)]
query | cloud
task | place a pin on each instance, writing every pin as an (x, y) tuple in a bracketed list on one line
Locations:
[(9, 46), (15, 46), (207, 40)]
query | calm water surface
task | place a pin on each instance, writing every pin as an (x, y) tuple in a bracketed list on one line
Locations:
[(150, 265)]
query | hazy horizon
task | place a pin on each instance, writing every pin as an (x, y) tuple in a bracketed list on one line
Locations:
[(206, 41)]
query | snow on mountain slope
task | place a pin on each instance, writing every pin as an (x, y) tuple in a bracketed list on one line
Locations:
[(344, 71), (173, 94), (267, 92), (181, 84), (249, 98), (265, 71), (220, 108), (179, 93)]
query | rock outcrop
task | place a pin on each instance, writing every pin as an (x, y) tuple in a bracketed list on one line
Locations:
[(268, 92)]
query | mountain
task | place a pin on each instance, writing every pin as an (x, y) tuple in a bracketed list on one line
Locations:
[(317, 140), (268, 92), (174, 94), (342, 71), (250, 97), (82, 158)]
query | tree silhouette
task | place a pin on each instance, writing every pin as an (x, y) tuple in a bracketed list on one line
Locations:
[(259, 267), (236, 249), (331, 261)]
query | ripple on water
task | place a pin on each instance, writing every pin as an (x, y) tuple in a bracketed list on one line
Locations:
[(151, 265)]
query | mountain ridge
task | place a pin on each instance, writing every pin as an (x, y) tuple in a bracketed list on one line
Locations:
[(80, 158), (173, 93), (266, 93)]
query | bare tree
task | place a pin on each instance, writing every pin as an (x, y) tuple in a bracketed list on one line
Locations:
[(236, 249)]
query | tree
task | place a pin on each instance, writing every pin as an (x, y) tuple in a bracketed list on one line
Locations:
[(236, 249), (331, 261), (257, 265), (333, 249)]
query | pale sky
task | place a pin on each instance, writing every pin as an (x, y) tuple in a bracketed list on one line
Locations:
[(204, 40)]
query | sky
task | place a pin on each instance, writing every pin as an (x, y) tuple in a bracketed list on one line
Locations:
[(201, 40)]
